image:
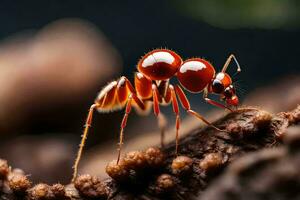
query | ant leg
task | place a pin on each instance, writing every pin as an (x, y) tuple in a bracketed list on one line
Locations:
[(160, 117), (84, 137), (155, 96), (123, 125), (141, 105), (186, 105), (162, 123), (176, 111), (228, 62), (147, 90), (126, 94), (214, 103)]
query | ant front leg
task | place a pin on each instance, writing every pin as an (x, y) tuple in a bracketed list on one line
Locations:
[(84, 137), (186, 105), (214, 103)]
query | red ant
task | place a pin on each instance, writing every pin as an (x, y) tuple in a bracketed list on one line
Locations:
[(155, 69)]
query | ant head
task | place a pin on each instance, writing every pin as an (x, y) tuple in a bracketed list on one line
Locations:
[(222, 85), (230, 96)]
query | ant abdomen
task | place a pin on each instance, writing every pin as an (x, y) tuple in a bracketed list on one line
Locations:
[(159, 64), (113, 96), (106, 98)]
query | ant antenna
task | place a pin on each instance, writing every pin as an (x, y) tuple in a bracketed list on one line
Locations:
[(236, 73), (229, 59)]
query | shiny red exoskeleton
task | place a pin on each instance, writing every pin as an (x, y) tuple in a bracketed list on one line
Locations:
[(152, 88)]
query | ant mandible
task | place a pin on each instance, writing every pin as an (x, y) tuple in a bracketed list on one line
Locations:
[(151, 82)]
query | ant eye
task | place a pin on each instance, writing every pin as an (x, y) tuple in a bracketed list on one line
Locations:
[(217, 86), (232, 89), (228, 92)]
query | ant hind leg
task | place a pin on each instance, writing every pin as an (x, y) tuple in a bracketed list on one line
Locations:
[(84, 137), (123, 125)]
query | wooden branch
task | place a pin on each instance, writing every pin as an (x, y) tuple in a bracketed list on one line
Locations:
[(266, 174), (157, 174)]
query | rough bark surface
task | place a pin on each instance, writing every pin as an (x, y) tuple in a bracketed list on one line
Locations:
[(266, 174), (206, 153)]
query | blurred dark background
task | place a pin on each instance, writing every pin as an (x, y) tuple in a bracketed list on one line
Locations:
[(56, 55)]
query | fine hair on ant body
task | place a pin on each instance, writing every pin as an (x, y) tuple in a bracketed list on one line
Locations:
[(152, 87)]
